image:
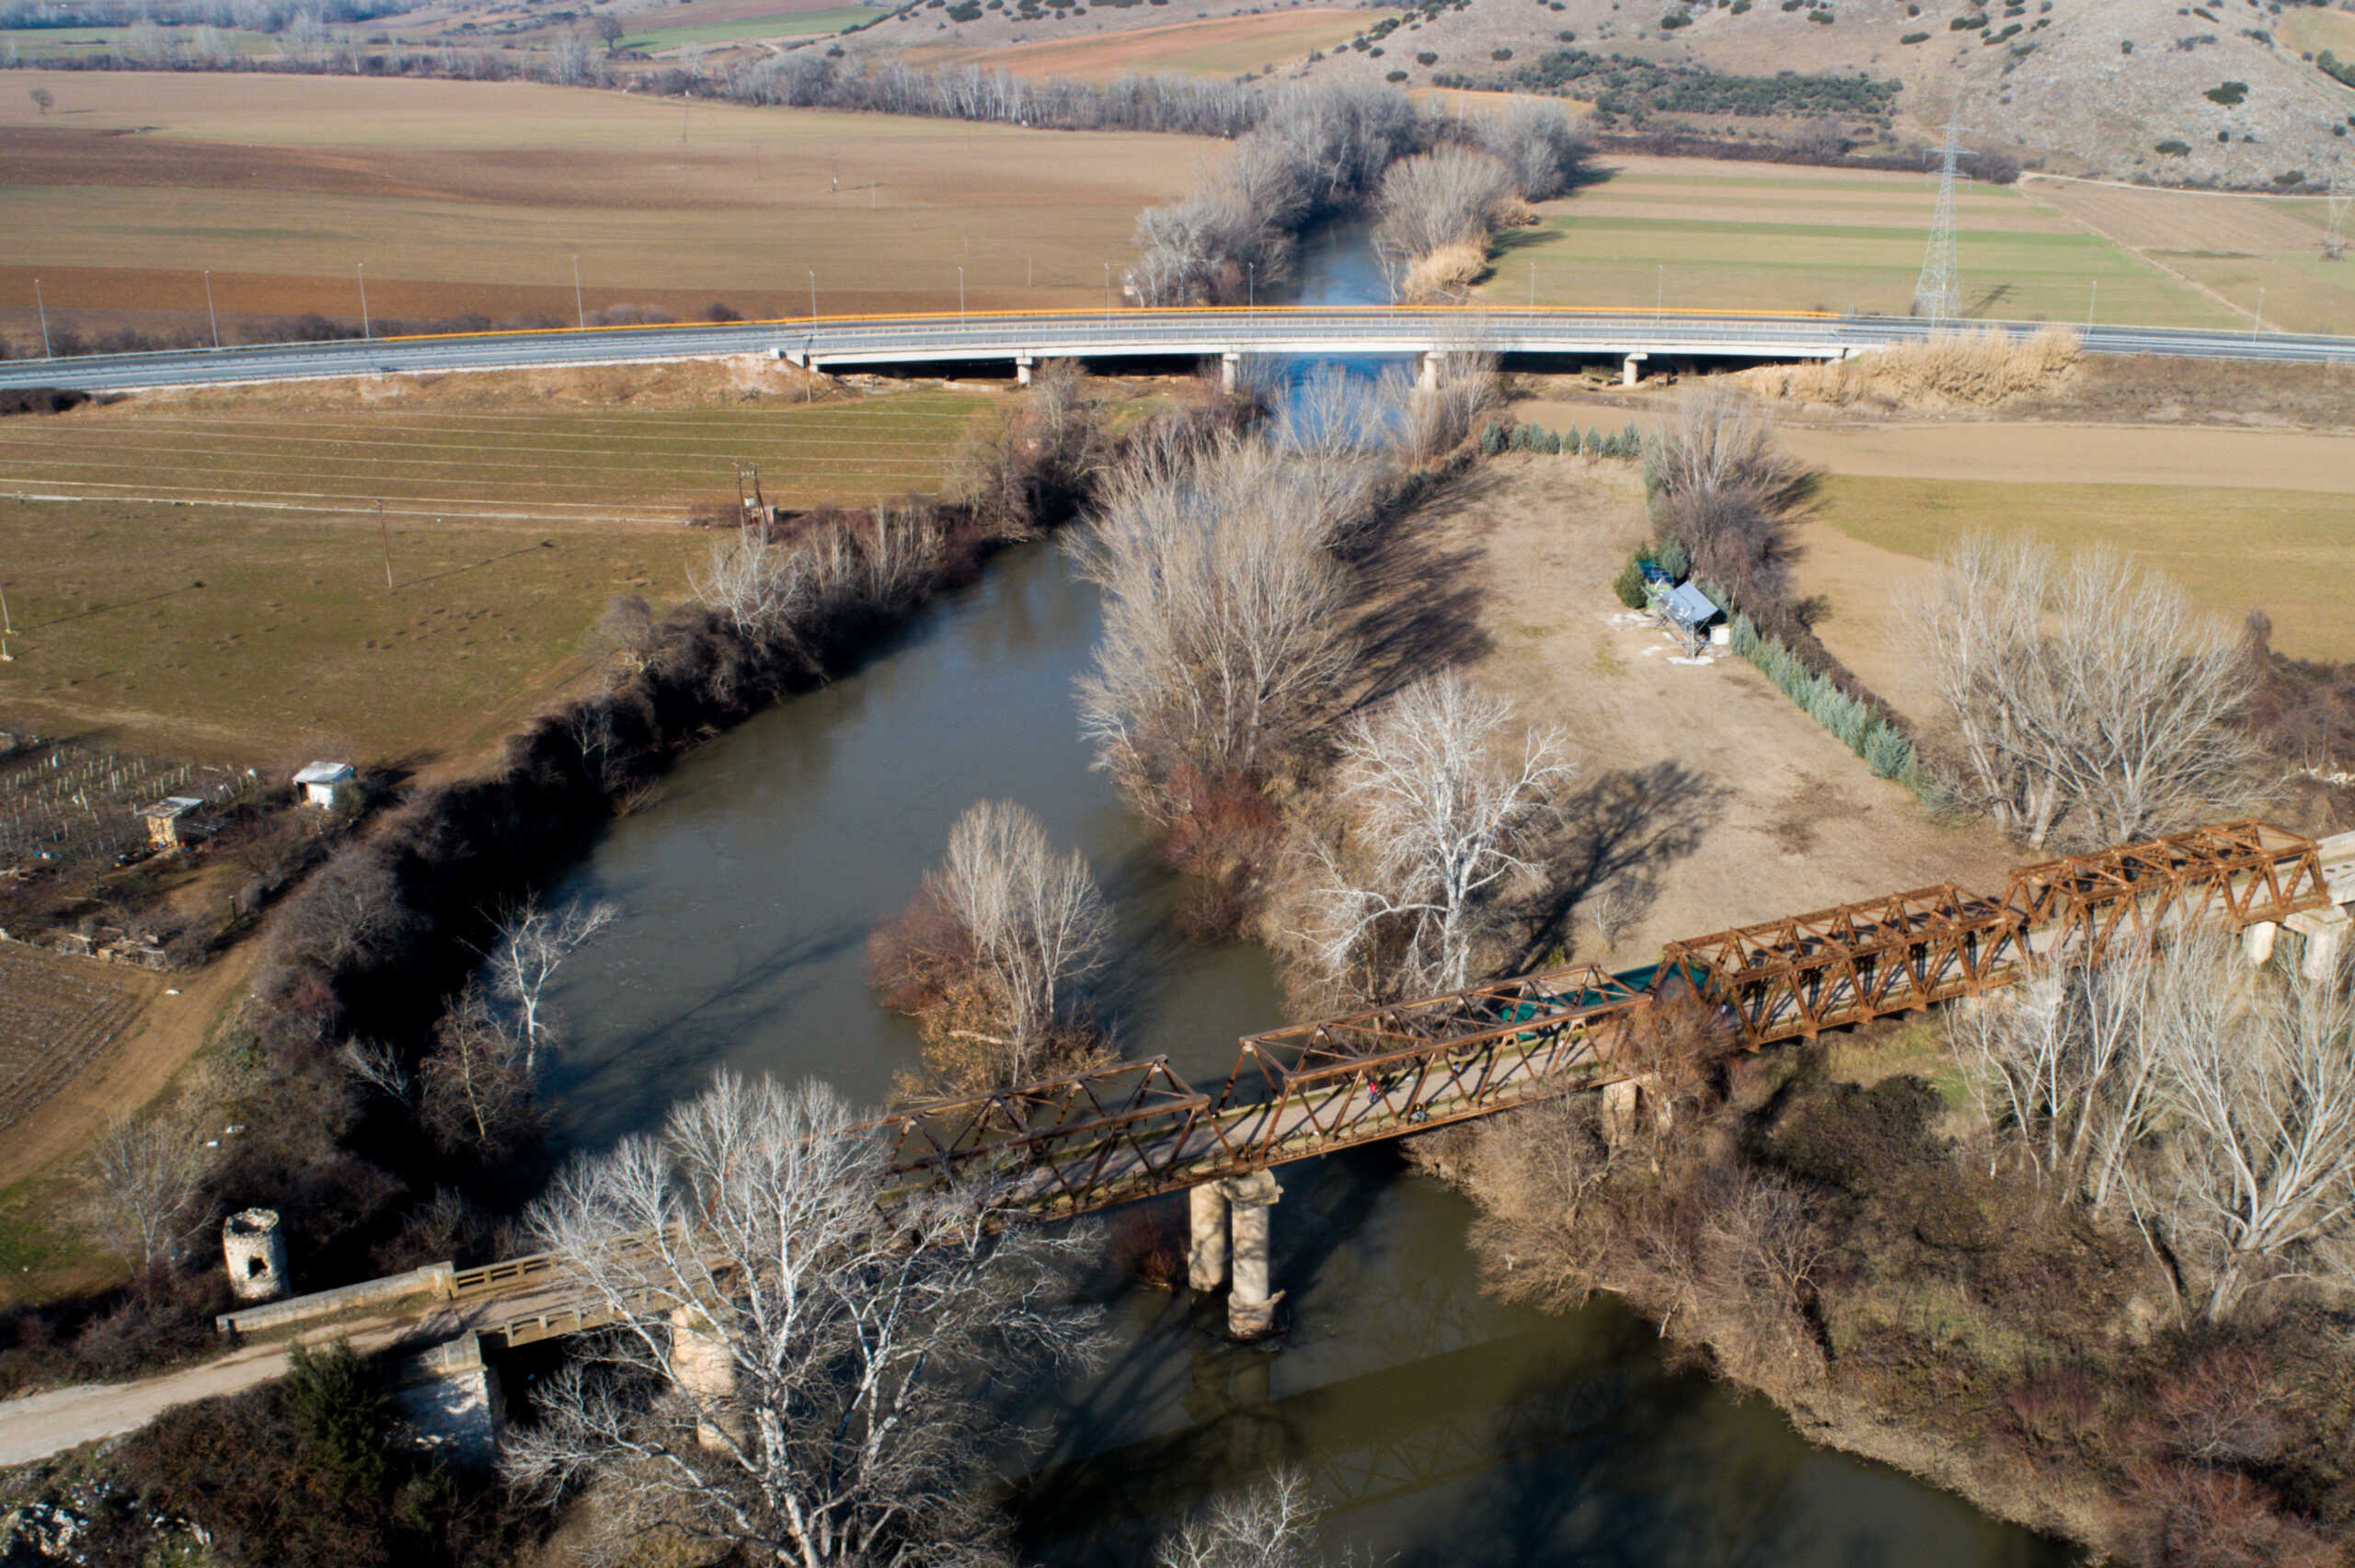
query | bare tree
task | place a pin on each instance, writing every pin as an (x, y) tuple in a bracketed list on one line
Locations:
[(2091, 703), (377, 1065), (1445, 810), (1265, 1527), (531, 945), (1725, 487), (2255, 1179), (1224, 638), (2066, 1065), (609, 30), (147, 1174), (1452, 195), (475, 1092), (994, 952), (794, 1374), (43, 99)]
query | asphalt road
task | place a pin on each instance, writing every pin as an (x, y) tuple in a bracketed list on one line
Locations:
[(947, 340)]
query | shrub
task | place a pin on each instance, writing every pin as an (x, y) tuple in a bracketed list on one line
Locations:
[(2228, 93), (1425, 58), (1674, 559), (1915, 38), (1394, 76), (1967, 24), (1674, 20), (1629, 584), (2174, 149)]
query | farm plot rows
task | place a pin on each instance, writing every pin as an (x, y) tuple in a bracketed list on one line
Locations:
[(56, 1015), (66, 803), (587, 465)]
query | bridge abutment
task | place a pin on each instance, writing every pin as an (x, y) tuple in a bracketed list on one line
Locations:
[(2322, 937)]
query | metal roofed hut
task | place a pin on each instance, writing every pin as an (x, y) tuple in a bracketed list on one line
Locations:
[(320, 783), (1688, 612)]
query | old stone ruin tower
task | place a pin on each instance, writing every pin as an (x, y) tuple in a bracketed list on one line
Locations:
[(254, 1250)]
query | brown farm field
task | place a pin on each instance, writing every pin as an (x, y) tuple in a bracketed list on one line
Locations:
[(463, 197), (217, 585), (1218, 46)]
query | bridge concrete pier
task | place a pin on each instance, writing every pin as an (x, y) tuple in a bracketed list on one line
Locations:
[(1206, 1240), (1230, 368), (2257, 941), (1022, 363), (705, 1370), (1631, 369), (2323, 936), (1427, 366), (1250, 1306)]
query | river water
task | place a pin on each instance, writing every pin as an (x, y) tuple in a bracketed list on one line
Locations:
[(1438, 1425)]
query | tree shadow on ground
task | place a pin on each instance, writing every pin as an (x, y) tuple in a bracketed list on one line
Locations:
[(1621, 832), (1417, 600)]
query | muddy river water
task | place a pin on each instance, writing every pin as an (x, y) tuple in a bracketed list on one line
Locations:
[(1438, 1425)]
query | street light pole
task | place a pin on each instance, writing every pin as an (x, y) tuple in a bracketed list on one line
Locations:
[(1660, 291), (1532, 285), (2092, 300), (1107, 293), (813, 298), (42, 306), (209, 310), (960, 293), (1251, 289), (580, 310), (2260, 309), (367, 331)]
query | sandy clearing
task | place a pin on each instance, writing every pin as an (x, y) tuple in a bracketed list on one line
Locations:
[(1703, 780), (2181, 220)]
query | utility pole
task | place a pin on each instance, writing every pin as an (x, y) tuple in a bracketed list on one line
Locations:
[(385, 538), (365, 329), (1939, 293), (42, 306), (209, 310), (7, 626), (580, 310)]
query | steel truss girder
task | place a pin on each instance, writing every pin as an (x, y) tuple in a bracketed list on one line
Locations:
[(1086, 1141)]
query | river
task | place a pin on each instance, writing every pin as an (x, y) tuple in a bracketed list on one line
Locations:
[(1438, 1425)]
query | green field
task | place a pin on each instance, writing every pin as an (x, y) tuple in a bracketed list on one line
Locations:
[(1735, 239), (2289, 552), (250, 630), (788, 24)]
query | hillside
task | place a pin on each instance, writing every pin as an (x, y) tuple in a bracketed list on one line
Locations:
[(2233, 92)]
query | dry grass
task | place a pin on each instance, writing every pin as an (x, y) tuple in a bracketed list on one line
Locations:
[(1445, 274), (1969, 370)]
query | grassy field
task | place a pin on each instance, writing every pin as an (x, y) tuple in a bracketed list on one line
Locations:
[(1694, 235), (2290, 552), (221, 593), (477, 196), (788, 24)]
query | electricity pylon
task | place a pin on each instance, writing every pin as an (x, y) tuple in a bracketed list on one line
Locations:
[(1938, 294)]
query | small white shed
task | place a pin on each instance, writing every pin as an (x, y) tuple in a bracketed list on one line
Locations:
[(320, 783)]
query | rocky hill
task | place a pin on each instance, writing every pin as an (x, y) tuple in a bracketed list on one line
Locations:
[(2230, 92)]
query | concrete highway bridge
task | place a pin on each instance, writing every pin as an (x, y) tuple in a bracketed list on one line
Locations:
[(993, 340)]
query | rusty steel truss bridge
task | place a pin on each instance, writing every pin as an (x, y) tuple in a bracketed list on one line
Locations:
[(1138, 1130), (1070, 1145)]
